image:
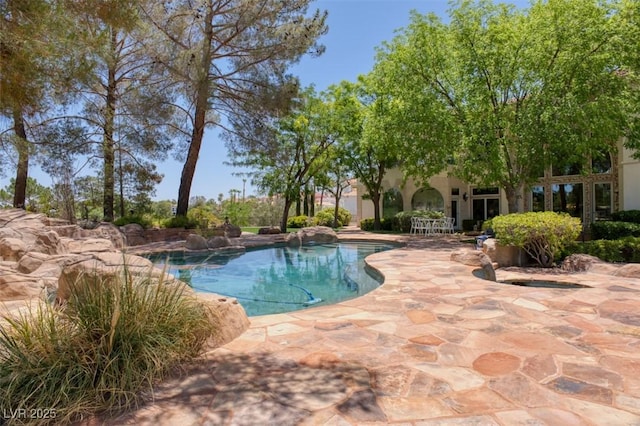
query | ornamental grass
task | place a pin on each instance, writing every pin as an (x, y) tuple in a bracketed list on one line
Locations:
[(101, 351)]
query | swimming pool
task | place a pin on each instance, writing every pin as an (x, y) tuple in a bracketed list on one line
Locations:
[(281, 279)]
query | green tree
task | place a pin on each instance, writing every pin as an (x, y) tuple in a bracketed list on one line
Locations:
[(367, 132), (37, 64), (504, 92), (38, 198), (285, 151), (222, 53)]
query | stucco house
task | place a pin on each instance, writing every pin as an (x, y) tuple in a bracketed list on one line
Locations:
[(603, 187)]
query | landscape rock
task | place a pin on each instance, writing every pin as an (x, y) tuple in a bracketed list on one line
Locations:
[(231, 231), (14, 285), (32, 261), (12, 248), (504, 255), (90, 245), (630, 270), (487, 268), (293, 239), (105, 268), (195, 242), (317, 234), (269, 230), (217, 242), (48, 242), (468, 257), (579, 262), (134, 234), (228, 314), (110, 232)]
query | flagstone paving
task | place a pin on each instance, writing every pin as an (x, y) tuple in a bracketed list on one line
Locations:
[(434, 345)]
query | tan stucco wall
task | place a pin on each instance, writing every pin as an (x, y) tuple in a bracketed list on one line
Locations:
[(629, 181)]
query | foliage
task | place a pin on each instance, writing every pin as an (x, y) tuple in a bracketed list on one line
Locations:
[(503, 92), (202, 217), (611, 230), (111, 342), (621, 250), (180, 222), (626, 216), (325, 217), (386, 224), (541, 234), (142, 220), (298, 221)]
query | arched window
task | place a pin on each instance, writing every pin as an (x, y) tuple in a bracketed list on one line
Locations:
[(427, 199)]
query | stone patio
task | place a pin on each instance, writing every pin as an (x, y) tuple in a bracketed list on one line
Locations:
[(434, 345)]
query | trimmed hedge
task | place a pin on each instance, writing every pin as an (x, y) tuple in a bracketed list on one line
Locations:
[(632, 216), (542, 235), (613, 230), (622, 250)]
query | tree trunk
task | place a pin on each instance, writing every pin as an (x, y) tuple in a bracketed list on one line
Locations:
[(285, 214), (22, 170), (514, 198), (306, 201), (375, 199), (121, 183), (199, 122), (107, 143)]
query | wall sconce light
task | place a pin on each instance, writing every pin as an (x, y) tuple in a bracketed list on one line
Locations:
[(465, 196)]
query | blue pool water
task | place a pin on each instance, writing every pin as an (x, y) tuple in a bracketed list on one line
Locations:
[(281, 279)]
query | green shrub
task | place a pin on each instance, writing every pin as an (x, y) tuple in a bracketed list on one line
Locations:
[(622, 250), (542, 235), (141, 220), (366, 224), (610, 230), (632, 216), (325, 217), (181, 222), (110, 343), (298, 221), (203, 217)]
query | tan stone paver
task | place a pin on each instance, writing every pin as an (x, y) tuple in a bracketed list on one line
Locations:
[(434, 345)]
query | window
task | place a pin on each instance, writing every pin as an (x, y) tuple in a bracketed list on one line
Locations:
[(486, 191), (567, 170), (602, 200), (569, 198), (601, 163), (537, 199), (485, 208), (455, 191), (427, 199)]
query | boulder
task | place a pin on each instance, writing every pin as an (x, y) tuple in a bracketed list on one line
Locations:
[(195, 242), (105, 268), (269, 230), (487, 268), (229, 316), (14, 285), (12, 248), (134, 234), (504, 255), (89, 245), (630, 270), (293, 239), (110, 232), (468, 257), (579, 262), (317, 234), (231, 231), (48, 242), (32, 261), (218, 242)]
